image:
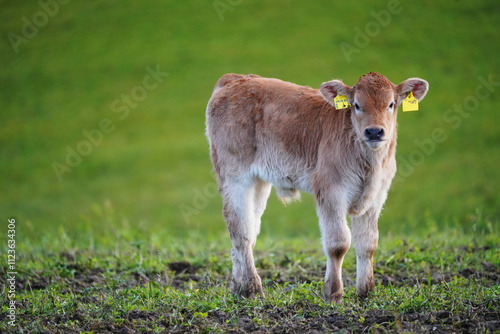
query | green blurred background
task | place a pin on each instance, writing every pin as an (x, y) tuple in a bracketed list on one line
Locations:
[(68, 66)]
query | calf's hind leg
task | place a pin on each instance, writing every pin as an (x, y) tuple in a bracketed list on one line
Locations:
[(243, 222), (262, 191)]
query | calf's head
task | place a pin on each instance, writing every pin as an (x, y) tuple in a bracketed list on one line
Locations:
[(374, 103)]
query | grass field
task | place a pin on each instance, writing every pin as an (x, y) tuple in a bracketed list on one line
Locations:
[(104, 162), (440, 283)]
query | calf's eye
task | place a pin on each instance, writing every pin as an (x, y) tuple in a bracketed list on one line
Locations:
[(391, 105)]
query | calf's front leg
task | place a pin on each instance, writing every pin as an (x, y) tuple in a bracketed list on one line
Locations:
[(365, 237), (336, 239)]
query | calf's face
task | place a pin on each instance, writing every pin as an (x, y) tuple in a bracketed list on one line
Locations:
[(374, 102)]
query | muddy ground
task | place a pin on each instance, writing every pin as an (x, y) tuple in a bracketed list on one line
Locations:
[(478, 318)]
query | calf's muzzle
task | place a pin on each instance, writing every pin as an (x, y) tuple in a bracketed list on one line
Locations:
[(374, 134)]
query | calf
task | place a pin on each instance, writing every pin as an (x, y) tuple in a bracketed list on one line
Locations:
[(264, 132)]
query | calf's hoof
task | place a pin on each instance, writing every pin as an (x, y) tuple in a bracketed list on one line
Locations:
[(333, 291), (364, 292), (248, 289), (335, 298)]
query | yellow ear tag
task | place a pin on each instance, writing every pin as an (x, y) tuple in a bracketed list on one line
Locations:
[(410, 103), (341, 102)]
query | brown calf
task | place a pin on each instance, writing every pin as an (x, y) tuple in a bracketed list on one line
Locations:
[(265, 132)]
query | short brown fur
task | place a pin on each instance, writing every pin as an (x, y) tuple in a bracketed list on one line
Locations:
[(265, 132)]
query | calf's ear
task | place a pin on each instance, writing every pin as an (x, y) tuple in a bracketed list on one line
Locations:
[(418, 86), (330, 89)]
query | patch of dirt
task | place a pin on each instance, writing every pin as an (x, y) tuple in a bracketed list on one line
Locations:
[(35, 282), (281, 320), (491, 274), (83, 278), (300, 317), (182, 268)]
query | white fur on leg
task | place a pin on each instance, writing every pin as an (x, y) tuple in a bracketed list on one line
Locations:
[(336, 242), (261, 194), (365, 237), (244, 202)]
